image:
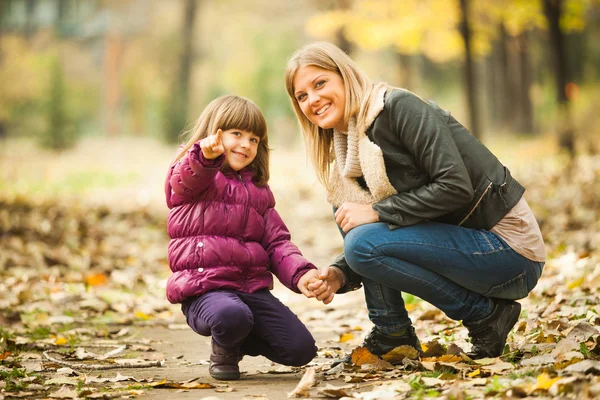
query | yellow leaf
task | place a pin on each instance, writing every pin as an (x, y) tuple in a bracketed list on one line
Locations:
[(397, 354), (544, 381), (576, 283), (96, 279), (344, 337), (141, 315), (475, 373), (61, 341), (410, 306)]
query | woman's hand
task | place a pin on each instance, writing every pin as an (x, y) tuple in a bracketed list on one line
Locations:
[(351, 215), (212, 146), (331, 279)]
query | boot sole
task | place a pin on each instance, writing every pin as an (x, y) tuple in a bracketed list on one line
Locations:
[(226, 376)]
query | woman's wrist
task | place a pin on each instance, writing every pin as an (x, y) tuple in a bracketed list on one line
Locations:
[(339, 276)]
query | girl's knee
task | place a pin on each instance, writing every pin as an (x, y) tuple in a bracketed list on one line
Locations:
[(301, 352), (235, 320)]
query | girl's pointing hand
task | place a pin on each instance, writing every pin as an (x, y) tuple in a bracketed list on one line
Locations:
[(212, 146)]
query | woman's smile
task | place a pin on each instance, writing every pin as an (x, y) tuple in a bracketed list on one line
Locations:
[(321, 95)]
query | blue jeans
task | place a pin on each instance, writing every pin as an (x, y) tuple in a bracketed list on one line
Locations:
[(456, 269)]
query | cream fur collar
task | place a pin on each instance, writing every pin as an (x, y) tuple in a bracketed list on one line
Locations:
[(357, 156)]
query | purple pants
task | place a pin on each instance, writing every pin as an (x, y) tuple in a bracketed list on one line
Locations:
[(256, 322)]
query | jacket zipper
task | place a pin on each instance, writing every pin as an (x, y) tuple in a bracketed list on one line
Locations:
[(476, 204), (246, 216)]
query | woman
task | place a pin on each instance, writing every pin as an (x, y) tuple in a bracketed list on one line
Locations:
[(423, 206)]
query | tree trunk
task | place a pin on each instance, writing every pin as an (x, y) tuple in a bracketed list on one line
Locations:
[(112, 88), (553, 11), (525, 119), (29, 19), (465, 31), (406, 71), (178, 107), (342, 42)]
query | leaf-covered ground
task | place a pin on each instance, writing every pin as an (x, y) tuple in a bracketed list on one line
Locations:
[(79, 282)]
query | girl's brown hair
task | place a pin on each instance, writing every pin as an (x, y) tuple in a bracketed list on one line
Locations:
[(358, 86), (233, 112)]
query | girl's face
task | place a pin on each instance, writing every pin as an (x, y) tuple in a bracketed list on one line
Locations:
[(240, 148), (321, 96)]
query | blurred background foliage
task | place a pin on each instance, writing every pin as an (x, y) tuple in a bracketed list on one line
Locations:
[(108, 68)]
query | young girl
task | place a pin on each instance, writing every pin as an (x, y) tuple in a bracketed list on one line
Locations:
[(424, 206), (227, 239)]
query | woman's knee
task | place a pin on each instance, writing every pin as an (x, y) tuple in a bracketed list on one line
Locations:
[(358, 250)]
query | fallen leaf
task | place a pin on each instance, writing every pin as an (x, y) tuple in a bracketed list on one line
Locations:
[(306, 382), (396, 355), (96, 279), (544, 382), (344, 337)]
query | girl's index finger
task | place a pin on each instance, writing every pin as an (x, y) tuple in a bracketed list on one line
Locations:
[(218, 136)]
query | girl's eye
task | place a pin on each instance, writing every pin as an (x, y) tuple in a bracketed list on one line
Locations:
[(254, 140), (237, 133), (319, 84), (301, 97)]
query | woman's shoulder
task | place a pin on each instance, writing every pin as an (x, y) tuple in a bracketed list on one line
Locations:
[(402, 96)]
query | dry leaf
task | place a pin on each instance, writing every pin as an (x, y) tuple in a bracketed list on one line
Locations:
[(396, 355), (344, 337), (96, 279), (544, 382), (306, 382)]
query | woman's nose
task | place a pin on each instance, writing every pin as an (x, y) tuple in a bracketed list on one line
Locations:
[(313, 98)]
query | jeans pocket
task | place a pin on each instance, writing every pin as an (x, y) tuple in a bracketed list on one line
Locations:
[(513, 289)]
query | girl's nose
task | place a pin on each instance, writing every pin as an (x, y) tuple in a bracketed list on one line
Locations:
[(313, 98)]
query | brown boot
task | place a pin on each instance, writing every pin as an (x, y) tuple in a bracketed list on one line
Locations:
[(224, 363)]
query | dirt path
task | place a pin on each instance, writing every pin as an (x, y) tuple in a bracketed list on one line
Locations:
[(186, 355)]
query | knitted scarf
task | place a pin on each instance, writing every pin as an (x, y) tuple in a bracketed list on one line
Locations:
[(356, 155)]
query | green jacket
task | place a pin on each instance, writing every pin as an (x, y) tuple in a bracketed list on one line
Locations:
[(440, 171)]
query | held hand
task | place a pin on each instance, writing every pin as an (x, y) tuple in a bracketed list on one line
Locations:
[(351, 215), (330, 283), (212, 146), (309, 278)]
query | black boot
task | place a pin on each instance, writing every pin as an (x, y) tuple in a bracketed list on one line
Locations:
[(489, 334), (224, 363), (379, 343)]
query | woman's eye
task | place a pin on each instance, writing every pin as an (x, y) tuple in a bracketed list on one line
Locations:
[(301, 97), (319, 84)]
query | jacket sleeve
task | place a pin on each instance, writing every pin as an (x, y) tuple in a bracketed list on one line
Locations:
[(190, 176), (424, 133), (287, 263)]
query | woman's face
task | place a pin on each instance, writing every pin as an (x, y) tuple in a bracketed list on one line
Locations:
[(321, 96)]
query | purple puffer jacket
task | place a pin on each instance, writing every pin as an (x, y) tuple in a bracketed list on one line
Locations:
[(225, 232)]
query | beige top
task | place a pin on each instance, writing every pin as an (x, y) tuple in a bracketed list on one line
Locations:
[(521, 232)]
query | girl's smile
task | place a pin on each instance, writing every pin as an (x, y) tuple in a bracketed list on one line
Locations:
[(321, 96)]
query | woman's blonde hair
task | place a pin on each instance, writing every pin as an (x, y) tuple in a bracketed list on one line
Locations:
[(358, 87), (233, 112)]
